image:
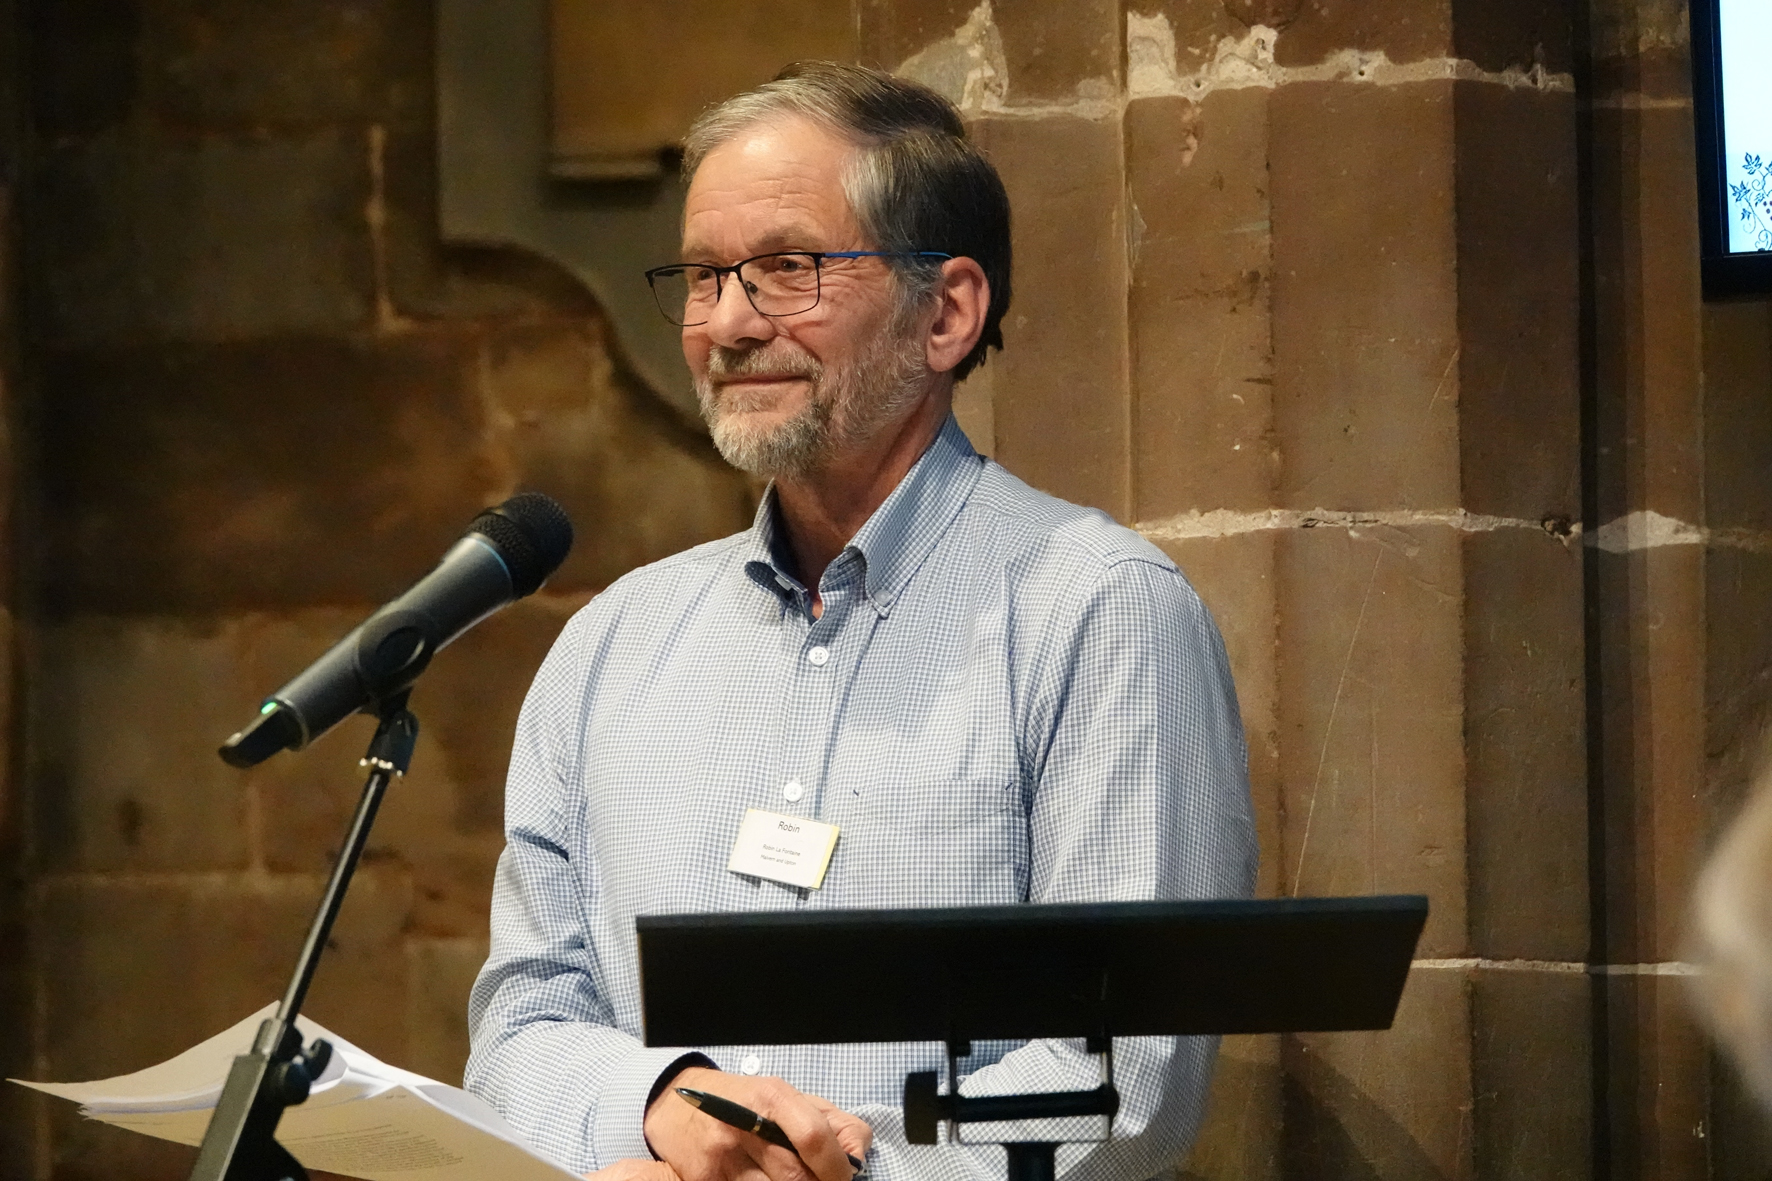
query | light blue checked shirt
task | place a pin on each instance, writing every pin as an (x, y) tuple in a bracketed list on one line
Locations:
[(1007, 698)]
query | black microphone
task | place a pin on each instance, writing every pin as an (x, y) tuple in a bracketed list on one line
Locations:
[(506, 554)]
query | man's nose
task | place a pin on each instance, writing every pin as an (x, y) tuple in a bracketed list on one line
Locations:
[(734, 321)]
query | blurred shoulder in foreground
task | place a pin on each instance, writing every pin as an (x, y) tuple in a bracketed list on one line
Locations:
[(1732, 927)]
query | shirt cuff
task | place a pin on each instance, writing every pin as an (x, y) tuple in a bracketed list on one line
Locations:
[(620, 1129), (692, 1058)]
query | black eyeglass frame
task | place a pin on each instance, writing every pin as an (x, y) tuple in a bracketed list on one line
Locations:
[(817, 257)]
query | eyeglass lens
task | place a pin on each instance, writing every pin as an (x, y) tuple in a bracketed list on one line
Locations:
[(778, 285)]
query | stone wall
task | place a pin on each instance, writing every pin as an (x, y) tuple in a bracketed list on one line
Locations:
[(1301, 286), (1381, 316), (268, 400)]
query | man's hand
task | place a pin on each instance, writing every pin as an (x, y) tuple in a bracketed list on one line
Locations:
[(701, 1148)]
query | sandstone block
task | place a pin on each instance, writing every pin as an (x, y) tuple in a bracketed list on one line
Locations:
[(308, 797), (1651, 807), (889, 31), (211, 239), (338, 62), (208, 477), (125, 718), (1518, 305), (1200, 27), (442, 972), (471, 697), (1622, 31), (975, 409), (1737, 429), (1371, 718), (452, 888), (1648, 352), (639, 483), (1531, 1057), (1642, 51), (1060, 50), (135, 972), (1391, 1103), (1403, 30), (1657, 1067), (1240, 1140), (442, 825), (1737, 695), (1525, 746), (1503, 34), (1201, 347), (1364, 298), (1060, 390), (1672, 333), (1234, 577), (305, 798)]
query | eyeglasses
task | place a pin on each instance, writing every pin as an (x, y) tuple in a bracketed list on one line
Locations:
[(782, 284)]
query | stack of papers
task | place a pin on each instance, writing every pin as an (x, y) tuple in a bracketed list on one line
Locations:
[(363, 1117)]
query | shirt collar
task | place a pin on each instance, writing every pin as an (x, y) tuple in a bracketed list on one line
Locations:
[(896, 538)]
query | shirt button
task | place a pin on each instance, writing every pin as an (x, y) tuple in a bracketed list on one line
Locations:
[(792, 791), (819, 655), (751, 1064)]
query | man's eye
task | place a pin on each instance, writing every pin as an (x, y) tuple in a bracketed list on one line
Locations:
[(792, 264)]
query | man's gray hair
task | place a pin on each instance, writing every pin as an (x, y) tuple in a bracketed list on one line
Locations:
[(916, 183)]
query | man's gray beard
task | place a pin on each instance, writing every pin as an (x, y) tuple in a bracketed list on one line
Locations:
[(846, 406)]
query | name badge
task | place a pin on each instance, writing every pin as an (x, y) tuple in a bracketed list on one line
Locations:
[(791, 850)]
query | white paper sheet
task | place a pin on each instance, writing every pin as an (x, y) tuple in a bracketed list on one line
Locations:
[(364, 1118)]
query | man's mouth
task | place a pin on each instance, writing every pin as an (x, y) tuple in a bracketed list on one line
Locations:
[(753, 391)]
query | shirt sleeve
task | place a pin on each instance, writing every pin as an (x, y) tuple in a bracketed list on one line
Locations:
[(1132, 746), (545, 1052)]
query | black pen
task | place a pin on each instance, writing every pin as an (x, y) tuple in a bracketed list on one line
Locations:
[(746, 1120)]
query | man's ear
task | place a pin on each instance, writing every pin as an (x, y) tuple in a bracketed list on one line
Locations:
[(964, 296)]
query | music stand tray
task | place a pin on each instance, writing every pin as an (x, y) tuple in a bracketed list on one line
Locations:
[(1095, 971)]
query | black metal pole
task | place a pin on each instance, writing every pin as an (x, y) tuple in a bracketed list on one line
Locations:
[(1032, 1160), (240, 1143)]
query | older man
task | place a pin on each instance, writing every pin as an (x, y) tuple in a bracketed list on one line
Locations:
[(993, 695)]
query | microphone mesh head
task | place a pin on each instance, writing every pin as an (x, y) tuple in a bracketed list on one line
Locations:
[(531, 533)]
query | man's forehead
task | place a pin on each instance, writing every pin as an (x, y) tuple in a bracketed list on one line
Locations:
[(775, 185)]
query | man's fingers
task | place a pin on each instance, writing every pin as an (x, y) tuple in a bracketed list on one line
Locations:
[(815, 1138), (782, 1164), (702, 1148), (855, 1134)]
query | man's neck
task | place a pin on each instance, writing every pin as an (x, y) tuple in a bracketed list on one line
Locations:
[(824, 510)]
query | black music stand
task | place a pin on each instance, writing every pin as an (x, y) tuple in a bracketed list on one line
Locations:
[(1094, 971)]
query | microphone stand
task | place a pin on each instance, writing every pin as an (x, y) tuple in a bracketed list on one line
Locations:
[(240, 1144)]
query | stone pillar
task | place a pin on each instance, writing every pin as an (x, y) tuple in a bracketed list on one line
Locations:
[(1317, 337), (1680, 588)]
